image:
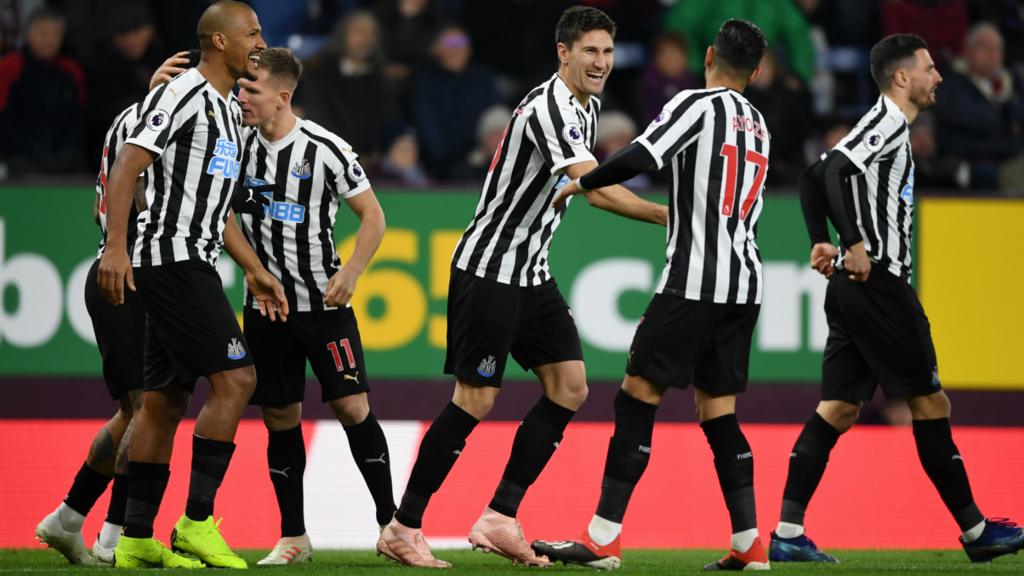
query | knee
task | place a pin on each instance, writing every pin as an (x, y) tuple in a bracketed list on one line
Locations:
[(476, 400), (278, 418), (840, 415), (571, 394), (930, 407), (711, 407), (351, 410), (237, 384)]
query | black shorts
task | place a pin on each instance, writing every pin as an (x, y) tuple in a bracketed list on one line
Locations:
[(120, 332), (328, 339), (877, 334), (487, 320), (680, 341), (191, 330)]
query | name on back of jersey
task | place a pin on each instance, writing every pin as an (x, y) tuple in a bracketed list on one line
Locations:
[(741, 123), (224, 159)]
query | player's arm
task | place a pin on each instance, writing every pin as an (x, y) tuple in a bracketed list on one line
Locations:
[(371, 229), (96, 209), (173, 66), (835, 172), (815, 210), (265, 289), (115, 268), (600, 185)]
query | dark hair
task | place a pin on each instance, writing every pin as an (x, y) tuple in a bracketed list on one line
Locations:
[(670, 38), (44, 13), (740, 44), (282, 64), (578, 20), (890, 54)]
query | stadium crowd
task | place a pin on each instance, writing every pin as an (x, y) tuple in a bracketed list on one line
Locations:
[(423, 88)]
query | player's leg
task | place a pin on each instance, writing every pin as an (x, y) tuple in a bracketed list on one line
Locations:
[(847, 381), (113, 525), (482, 317), (721, 374), (538, 436), (335, 351)]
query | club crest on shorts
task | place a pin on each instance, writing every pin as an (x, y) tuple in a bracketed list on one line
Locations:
[(488, 366), (572, 134), (235, 350)]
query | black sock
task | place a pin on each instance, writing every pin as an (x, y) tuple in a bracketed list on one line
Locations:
[(118, 500), (734, 463), (210, 459), (536, 440), (146, 485), (942, 462), (370, 451), (438, 452), (629, 450), (806, 467), (87, 488), (286, 460)]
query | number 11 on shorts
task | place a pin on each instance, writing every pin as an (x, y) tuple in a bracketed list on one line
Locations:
[(333, 347)]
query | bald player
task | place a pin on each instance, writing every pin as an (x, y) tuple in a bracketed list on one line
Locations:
[(189, 132)]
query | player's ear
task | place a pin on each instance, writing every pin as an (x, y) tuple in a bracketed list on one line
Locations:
[(901, 77), (284, 97), (754, 74), (709, 57), (563, 53), (219, 41)]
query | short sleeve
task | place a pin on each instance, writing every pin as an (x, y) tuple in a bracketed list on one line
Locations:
[(163, 112), (351, 178), (871, 137), (556, 131), (677, 125)]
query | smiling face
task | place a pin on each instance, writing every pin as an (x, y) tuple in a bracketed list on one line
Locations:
[(586, 64), (244, 42)]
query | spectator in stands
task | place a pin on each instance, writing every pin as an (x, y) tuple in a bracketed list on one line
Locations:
[(784, 101), (489, 132), (845, 22), (615, 131), (448, 97), (932, 171), (979, 109), (402, 162), (666, 74), (345, 91), (410, 28), (121, 74), (783, 24), (42, 101), (942, 24)]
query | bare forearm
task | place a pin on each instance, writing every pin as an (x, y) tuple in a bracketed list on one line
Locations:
[(619, 200), (238, 247), (371, 231)]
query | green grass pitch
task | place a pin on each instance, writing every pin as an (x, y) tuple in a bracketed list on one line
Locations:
[(646, 562)]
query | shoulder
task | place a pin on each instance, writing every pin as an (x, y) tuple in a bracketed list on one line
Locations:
[(330, 142)]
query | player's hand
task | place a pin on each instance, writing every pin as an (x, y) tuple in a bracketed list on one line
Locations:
[(857, 263), (251, 200), (822, 256), (114, 271), (340, 287), (268, 294), (169, 69), (570, 189)]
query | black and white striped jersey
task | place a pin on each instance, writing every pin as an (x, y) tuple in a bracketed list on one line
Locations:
[(313, 170), (883, 191), (509, 236), (197, 135), (718, 145), (112, 142)]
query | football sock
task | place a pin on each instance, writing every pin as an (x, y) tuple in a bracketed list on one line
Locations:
[(942, 462), (603, 532), (210, 459), (438, 452), (742, 541), (110, 534), (370, 450), (629, 450), (973, 533), (146, 484), (788, 530), (286, 461), (734, 463), (807, 464), (86, 489), (536, 440)]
